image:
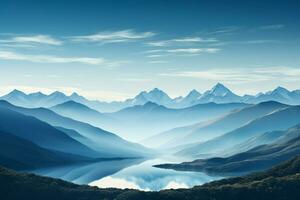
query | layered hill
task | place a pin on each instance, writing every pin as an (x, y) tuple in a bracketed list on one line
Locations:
[(258, 158), (204, 131), (42, 134), (280, 120), (143, 121), (20, 154), (104, 142)]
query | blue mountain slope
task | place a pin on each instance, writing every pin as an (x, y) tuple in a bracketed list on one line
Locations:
[(205, 131), (109, 144), (86, 114), (279, 120), (41, 133), (263, 139), (255, 159), (75, 108), (146, 120), (20, 154)]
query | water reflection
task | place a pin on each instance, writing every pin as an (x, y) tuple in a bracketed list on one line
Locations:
[(145, 177), (129, 173), (86, 173)]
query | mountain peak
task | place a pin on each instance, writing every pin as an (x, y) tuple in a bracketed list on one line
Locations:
[(78, 98), (150, 104), (220, 90), (70, 104), (37, 94), (280, 89), (194, 91), (17, 92), (74, 94), (156, 91), (57, 93), (193, 94), (73, 105), (155, 95), (219, 86)]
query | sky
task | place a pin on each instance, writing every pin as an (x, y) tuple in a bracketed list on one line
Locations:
[(113, 49)]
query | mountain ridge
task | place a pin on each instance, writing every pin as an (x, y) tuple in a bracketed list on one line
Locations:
[(257, 158), (203, 131), (218, 94), (271, 122), (98, 139)]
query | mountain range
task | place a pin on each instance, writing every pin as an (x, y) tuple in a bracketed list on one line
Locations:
[(256, 159), (40, 133), (281, 119), (141, 121), (43, 126), (21, 154), (203, 131), (221, 131), (217, 94)]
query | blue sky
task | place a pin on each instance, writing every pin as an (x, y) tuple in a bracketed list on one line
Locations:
[(114, 49)]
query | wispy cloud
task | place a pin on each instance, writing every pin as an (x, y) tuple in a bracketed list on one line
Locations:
[(8, 55), (180, 51), (283, 73), (259, 42), (181, 41), (155, 55), (158, 61), (194, 50), (32, 40), (272, 27), (247, 42), (224, 30), (113, 36)]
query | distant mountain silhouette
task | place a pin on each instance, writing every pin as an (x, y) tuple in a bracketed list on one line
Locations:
[(279, 94), (255, 159), (210, 129), (143, 121), (279, 120), (263, 139), (104, 142), (217, 94), (190, 99), (20, 154), (41, 133), (83, 113)]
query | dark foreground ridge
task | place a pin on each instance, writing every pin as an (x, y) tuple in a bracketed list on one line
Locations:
[(281, 182)]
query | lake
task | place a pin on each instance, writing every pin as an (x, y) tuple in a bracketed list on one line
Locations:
[(129, 173)]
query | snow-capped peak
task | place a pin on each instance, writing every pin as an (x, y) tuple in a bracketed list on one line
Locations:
[(16, 92), (219, 90), (281, 90), (156, 95), (193, 94)]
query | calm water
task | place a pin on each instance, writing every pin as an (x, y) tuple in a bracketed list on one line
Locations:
[(130, 173)]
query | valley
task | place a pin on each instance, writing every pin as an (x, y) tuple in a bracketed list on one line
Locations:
[(172, 148)]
